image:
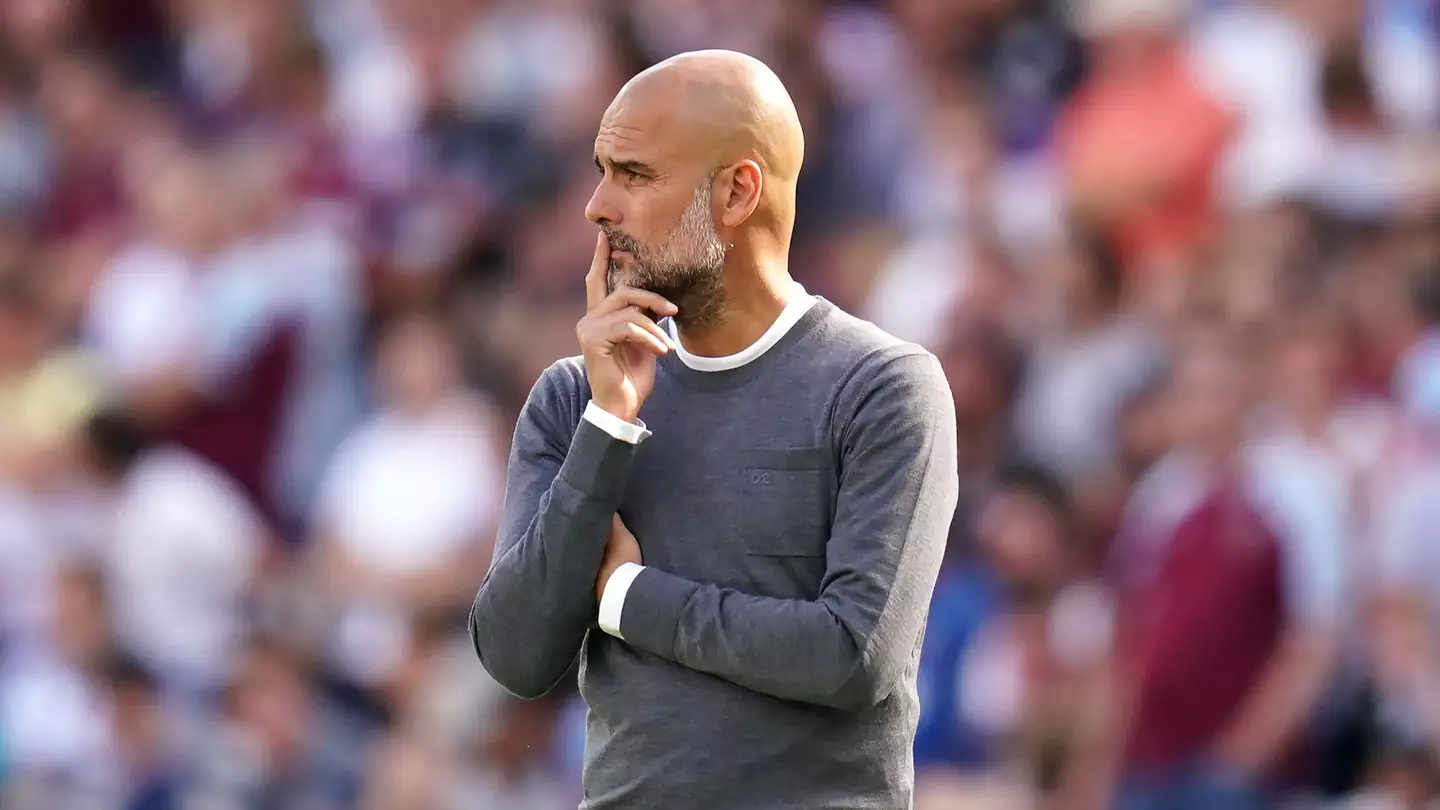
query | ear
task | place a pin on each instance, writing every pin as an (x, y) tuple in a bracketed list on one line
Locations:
[(737, 192)]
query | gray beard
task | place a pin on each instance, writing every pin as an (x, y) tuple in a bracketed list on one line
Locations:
[(688, 269), (698, 294)]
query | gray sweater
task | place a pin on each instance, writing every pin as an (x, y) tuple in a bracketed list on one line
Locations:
[(792, 514)]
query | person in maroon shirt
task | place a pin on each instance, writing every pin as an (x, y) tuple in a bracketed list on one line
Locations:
[(1229, 569)]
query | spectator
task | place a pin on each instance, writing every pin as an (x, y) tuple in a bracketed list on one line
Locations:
[(276, 746), (1231, 567), (407, 513), (178, 522), (1140, 139), (1010, 636)]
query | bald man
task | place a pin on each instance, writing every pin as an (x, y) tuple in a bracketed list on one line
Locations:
[(734, 503)]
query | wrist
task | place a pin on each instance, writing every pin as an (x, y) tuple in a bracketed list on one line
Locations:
[(629, 415)]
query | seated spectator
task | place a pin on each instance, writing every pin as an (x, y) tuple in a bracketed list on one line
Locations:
[(1407, 524), (1008, 636), (53, 704), (406, 515), (196, 337), (1141, 137), (178, 521), (276, 744)]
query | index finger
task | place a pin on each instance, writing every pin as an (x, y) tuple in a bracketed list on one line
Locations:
[(596, 287)]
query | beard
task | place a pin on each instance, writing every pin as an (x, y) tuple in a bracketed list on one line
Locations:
[(687, 268)]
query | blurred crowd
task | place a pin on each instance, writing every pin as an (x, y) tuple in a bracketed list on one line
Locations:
[(276, 276)]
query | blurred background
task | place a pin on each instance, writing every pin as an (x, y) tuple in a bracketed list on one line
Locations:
[(276, 276)]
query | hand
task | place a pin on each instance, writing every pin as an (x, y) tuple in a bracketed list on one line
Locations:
[(619, 340), (622, 547)]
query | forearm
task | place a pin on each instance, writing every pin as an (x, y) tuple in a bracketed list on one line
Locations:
[(849, 647), (789, 649), (538, 599), (1287, 692), (1101, 725)]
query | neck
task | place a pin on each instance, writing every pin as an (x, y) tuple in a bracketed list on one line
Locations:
[(756, 291)]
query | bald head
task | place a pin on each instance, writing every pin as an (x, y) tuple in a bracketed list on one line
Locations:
[(727, 104), (699, 154)]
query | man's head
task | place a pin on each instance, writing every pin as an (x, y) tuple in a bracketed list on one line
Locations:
[(1210, 391), (1027, 529), (698, 157)]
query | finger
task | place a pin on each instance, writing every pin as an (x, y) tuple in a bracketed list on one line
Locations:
[(596, 286), (624, 296), (643, 321), (636, 334)]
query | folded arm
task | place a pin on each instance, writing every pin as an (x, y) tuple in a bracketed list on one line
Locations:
[(562, 490), (849, 647)]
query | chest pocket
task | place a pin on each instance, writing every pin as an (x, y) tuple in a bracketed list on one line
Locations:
[(789, 500)]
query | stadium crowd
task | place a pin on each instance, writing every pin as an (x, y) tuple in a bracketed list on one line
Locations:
[(276, 276)]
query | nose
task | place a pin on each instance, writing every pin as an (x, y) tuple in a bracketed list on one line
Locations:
[(600, 209)]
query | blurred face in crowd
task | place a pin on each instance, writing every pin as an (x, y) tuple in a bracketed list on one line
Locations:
[(417, 364), (175, 192), (79, 618), (35, 26), (654, 201), (975, 363), (272, 699), (81, 100), (1208, 397), (1024, 539), (1309, 359), (21, 333)]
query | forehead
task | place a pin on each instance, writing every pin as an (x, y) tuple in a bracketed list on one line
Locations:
[(638, 127)]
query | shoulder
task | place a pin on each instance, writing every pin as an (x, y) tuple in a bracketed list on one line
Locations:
[(184, 487), (557, 400), (564, 381), (869, 360)]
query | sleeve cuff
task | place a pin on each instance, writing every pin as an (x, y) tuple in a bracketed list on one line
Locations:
[(612, 604), (657, 600), (614, 425)]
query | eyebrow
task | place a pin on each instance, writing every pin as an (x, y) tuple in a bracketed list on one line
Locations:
[(632, 166)]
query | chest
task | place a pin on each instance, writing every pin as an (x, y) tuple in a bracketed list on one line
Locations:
[(729, 496)]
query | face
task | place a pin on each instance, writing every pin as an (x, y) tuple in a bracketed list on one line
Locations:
[(1023, 540), (1310, 362), (417, 365), (655, 206), (1208, 399)]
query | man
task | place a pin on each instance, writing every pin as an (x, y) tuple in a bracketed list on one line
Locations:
[(791, 504), (1231, 568)]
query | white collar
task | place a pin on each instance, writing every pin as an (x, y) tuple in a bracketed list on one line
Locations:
[(799, 304)]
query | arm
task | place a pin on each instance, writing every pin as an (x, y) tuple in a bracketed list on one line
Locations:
[(538, 600), (1309, 508), (1406, 653), (849, 647), (1281, 703)]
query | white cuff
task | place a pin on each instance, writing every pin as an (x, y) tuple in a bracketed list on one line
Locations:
[(614, 425), (612, 603)]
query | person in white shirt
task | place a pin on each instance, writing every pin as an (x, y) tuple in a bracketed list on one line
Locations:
[(184, 549), (410, 503)]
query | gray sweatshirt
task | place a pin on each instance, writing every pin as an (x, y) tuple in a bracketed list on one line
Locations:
[(792, 514)]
